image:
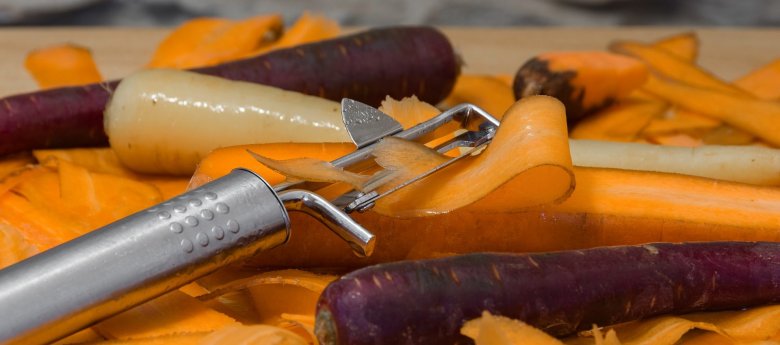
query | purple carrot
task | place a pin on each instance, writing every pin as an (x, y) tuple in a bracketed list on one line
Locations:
[(367, 66), (427, 302)]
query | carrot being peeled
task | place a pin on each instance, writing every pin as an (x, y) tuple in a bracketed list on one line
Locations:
[(366, 66), (606, 202), (542, 175)]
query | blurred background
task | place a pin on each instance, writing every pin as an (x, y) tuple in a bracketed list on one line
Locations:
[(386, 12)]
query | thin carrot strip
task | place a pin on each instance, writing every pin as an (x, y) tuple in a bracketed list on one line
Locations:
[(211, 41), (684, 46), (673, 67), (308, 28), (62, 65), (763, 82), (621, 122), (758, 117)]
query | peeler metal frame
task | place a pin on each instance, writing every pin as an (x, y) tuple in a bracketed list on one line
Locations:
[(114, 268)]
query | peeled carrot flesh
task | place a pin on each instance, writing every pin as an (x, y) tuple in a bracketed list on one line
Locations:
[(62, 65)]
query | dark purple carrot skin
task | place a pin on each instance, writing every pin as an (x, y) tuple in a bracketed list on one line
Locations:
[(427, 302), (62, 117), (367, 66), (536, 78)]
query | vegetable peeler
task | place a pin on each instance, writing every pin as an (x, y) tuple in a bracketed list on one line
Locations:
[(159, 249)]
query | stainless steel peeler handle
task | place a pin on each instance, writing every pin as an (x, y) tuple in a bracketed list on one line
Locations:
[(126, 263)]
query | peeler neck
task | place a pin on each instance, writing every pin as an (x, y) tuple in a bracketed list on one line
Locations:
[(359, 239)]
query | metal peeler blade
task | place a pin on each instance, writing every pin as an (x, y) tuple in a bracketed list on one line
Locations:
[(366, 124)]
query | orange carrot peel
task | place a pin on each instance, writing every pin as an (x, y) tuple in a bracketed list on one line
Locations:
[(62, 65)]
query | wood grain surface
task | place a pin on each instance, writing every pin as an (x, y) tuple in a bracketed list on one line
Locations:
[(119, 51)]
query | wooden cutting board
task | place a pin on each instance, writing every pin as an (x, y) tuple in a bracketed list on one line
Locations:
[(119, 51)]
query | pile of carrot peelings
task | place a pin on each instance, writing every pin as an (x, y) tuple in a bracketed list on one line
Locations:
[(683, 104), (754, 326), (195, 43)]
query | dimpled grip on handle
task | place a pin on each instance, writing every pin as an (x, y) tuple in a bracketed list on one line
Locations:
[(126, 263)]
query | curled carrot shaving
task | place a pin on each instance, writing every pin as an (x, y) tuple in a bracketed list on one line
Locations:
[(673, 67), (684, 46), (62, 65), (620, 122), (308, 28), (535, 126), (763, 82), (210, 41), (184, 40), (172, 313), (758, 117), (679, 120)]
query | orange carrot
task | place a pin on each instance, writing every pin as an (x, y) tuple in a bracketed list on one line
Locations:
[(62, 65), (583, 81)]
